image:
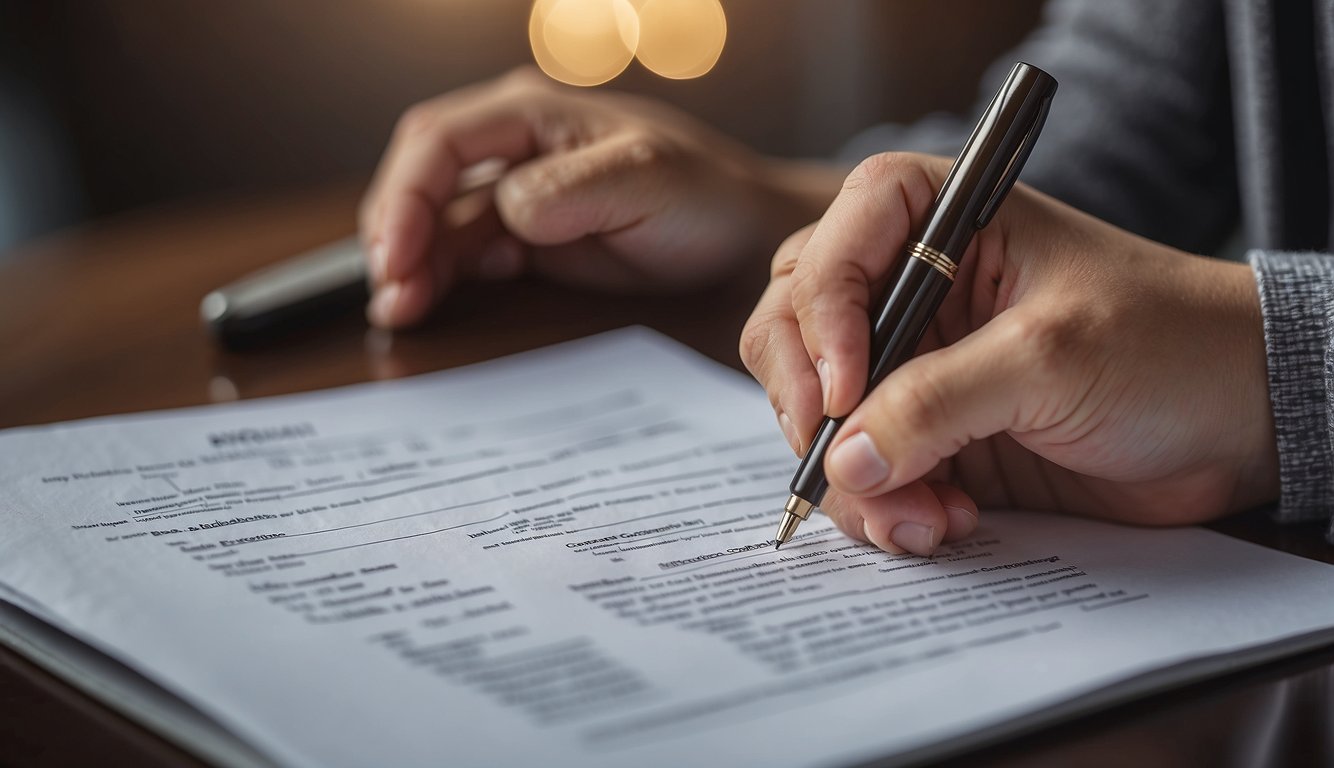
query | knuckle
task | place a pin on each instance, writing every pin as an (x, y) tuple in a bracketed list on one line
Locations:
[(539, 182), (757, 341), (786, 257), (525, 196), (875, 170), (417, 120), (644, 150), (827, 296), (782, 264), (901, 170), (808, 279)]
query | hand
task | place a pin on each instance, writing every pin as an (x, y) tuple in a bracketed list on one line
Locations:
[(604, 190), (1072, 367)]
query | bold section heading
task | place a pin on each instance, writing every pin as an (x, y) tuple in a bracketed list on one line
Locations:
[(256, 436)]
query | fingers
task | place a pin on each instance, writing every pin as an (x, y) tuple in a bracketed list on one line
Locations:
[(990, 381), (397, 304), (916, 518), (470, 242), (772, 350), (420, 175), (432, 147), (555, 202), (600, 188), (840, 269)]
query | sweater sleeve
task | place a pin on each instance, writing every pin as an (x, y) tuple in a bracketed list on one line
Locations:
[(1140, 131), (1297, 302)]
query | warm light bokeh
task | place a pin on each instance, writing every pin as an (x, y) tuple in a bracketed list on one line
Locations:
[(588, 42), (583, 42), (681, 39)]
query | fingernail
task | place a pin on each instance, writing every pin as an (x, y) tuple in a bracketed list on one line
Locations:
[(379, 262), (822, 370), (916, 538), (381, 309), (500, 260), (961, 521), (890, 547), (858, 464), (790, 432)]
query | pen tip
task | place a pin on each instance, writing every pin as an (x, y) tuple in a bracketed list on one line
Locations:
[(786, 529)]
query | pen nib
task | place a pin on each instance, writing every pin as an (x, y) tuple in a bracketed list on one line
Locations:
[(786, 529), (796, 510)]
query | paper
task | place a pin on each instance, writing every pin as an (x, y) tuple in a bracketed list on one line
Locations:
[(565, 557)]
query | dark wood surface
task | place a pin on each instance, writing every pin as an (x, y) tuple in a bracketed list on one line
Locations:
[(105, 320)]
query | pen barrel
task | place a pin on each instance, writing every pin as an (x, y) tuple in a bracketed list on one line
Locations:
[(901, 317), (897, 324), (809, 482)]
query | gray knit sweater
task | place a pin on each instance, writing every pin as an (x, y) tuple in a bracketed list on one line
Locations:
[(1175, 116)]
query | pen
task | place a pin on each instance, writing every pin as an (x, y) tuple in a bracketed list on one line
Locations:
[(977, 184), (307, 287)]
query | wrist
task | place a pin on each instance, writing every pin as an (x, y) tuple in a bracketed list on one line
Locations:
[(1258, 462)]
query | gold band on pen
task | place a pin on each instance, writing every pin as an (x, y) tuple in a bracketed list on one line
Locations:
[(937, 259), (799, 507)]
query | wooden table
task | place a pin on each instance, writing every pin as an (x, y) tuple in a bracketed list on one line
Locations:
[(105, 320)]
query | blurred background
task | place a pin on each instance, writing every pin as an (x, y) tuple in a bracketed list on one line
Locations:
[(110, 106)]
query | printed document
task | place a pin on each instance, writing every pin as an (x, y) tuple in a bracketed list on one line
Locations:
[(565, 558)]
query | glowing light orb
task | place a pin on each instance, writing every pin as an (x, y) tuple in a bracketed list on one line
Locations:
[(681, 39), (588, 42), (583, 42)]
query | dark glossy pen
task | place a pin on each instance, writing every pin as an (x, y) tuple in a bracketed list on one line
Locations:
[(309, 287), (978, 183)]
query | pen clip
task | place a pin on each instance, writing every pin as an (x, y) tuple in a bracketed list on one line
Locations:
[(1015, 166)]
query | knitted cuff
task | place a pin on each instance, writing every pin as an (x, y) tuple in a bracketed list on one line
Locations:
[(1297, 301)]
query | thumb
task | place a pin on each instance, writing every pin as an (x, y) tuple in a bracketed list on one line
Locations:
[(606, 186), (988, 382)]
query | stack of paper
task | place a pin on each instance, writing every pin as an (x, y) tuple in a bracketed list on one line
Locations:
[(565, 557)]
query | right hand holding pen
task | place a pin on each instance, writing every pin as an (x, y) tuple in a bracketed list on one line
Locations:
[(1073, 367), (603, 190)]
